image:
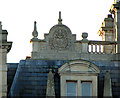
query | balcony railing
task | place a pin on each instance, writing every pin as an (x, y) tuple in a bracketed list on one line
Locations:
[(99, 47)]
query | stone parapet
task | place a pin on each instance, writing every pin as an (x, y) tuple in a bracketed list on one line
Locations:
[(72, 56)]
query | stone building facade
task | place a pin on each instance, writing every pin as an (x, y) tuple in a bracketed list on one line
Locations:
[(60, 65)]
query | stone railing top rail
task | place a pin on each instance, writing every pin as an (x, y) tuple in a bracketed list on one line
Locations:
[(98, 42), (102, 42)]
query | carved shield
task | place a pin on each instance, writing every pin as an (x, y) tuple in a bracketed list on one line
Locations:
[(59, 39)]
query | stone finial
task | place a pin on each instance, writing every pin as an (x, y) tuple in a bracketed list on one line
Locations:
[(107, 85), (50, 85), (84, 35), (35, 33), (59, 20), (84, 42)]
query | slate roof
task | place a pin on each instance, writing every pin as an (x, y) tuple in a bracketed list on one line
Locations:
[(114, 68), (31, 77), (12, 67)]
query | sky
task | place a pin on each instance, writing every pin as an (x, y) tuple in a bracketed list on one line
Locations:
[(18, 18)]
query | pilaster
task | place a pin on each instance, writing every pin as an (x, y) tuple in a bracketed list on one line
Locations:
[(4, 49)]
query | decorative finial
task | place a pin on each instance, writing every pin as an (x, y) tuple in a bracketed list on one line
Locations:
[(50, 70), (84, 35), (59, 20), (35, 33)]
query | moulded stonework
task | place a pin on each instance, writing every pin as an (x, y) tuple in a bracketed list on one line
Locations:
[(79, 70), (60, 37)]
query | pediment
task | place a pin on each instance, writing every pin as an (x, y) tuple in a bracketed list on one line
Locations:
[(79, 67), (60, 38)]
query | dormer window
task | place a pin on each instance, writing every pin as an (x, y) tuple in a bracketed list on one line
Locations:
[(78, 77)]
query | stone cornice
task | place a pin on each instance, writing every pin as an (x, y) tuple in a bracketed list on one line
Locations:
[(6, 45), (79, 73), (107, 28), (36, 40)]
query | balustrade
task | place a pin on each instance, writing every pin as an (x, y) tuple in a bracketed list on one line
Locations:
[(99, 47)]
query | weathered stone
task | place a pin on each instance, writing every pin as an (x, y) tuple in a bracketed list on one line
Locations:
[(107, 85), (78, 70), (84, 35), (4, 49), (59, 20), (35, 33), (50, 91), (61, 44)]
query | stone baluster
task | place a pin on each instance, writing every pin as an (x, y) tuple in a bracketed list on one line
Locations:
[(91, 48), (88, 48), (100, 49), (95, 48)]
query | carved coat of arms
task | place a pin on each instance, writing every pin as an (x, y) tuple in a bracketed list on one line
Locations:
[(59, 39)]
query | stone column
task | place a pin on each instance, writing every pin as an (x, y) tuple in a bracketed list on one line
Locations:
[(84, 42), (3, 72), (4, 49), (115, 10)]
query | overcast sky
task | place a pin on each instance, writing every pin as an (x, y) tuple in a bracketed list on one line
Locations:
[(18, 18)]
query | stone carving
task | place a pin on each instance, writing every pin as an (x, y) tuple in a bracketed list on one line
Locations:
[(59, 40)]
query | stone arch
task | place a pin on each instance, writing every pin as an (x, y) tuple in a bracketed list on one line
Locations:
[(79, 66)]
